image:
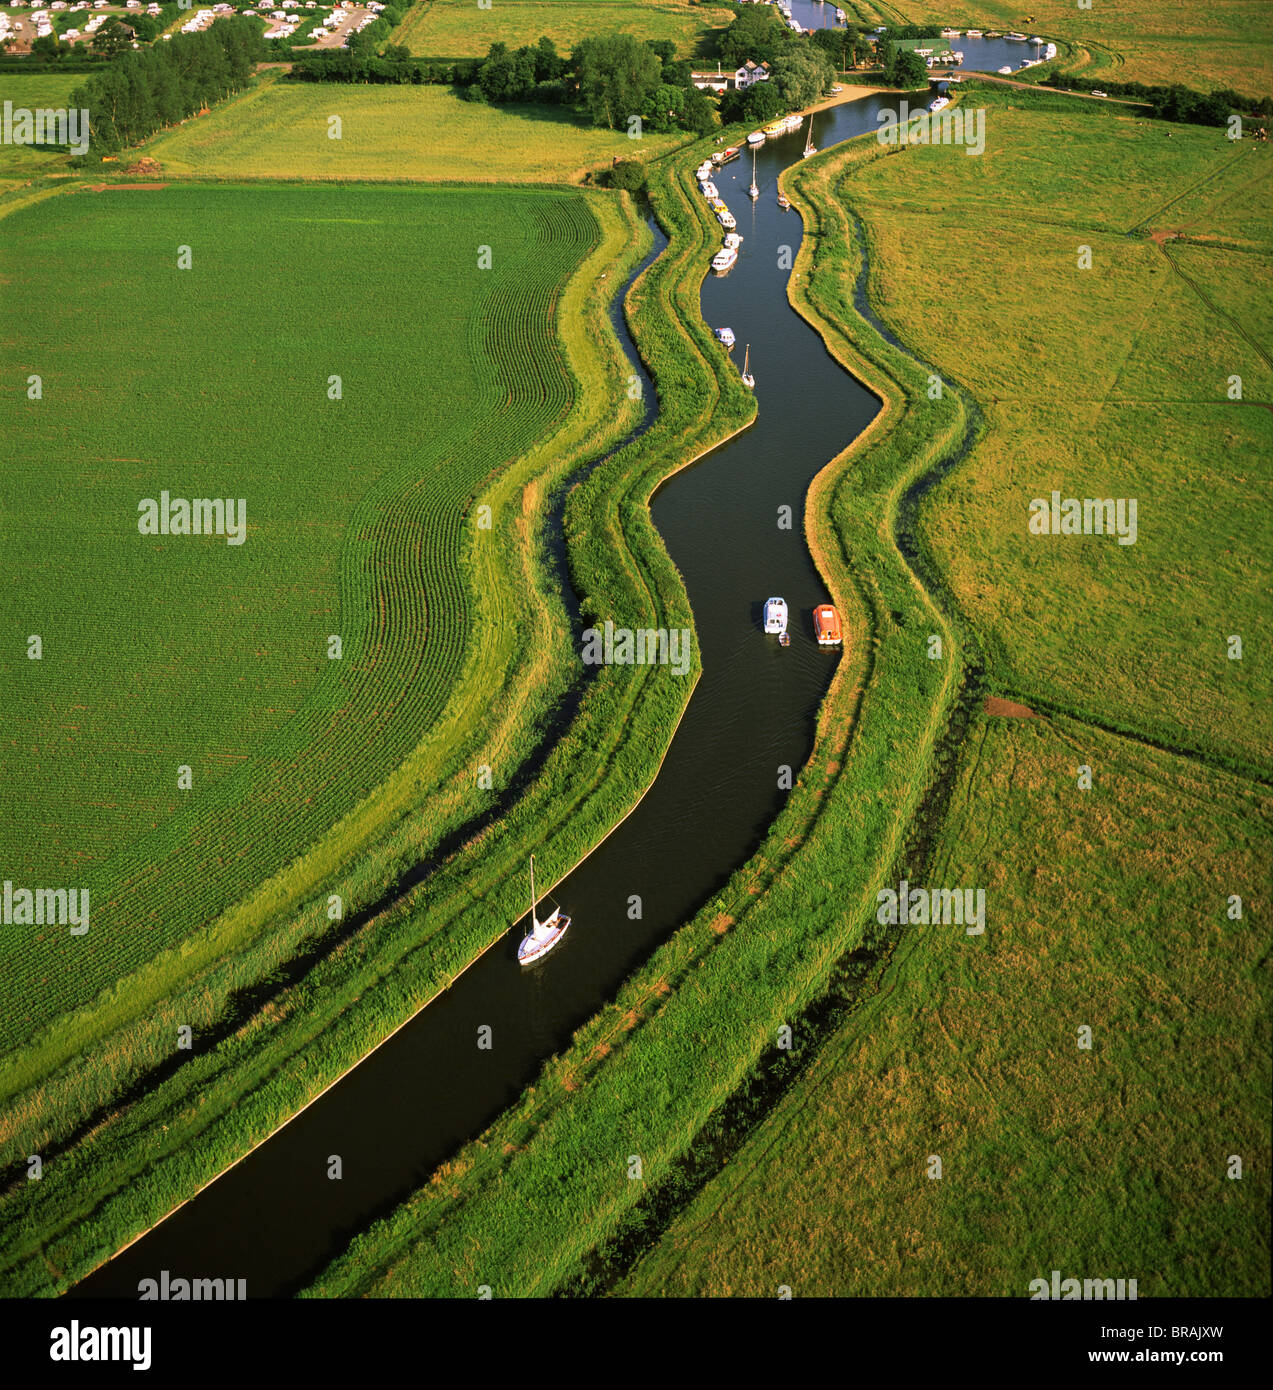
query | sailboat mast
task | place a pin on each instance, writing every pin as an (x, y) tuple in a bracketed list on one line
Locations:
[(533, 918)]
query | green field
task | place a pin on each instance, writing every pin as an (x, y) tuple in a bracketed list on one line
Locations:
[(163, 652), (279, 131), (1109, 382), (1108, 1162), (1205, 45), (459, 29)]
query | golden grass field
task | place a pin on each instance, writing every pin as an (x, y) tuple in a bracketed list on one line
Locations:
[(278, 130), (458, 29)]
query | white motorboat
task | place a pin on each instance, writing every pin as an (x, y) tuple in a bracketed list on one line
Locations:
[(724, 260), (727, 220), (775, 616), (726, 336), (756, 138), (710, 190), (543, 936), (734, 239)]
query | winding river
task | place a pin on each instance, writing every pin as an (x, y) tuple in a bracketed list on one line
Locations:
[(275, 1219)]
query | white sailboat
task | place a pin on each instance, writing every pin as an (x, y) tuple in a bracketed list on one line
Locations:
[(543, 936), (809, 146), (749, 381), (754, 191)]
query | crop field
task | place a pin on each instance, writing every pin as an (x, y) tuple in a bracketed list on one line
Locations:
[(459, 29), (279, 130), (33, 90), (1108, 1162), (1111, 381), (163, 652), (1204, 45)]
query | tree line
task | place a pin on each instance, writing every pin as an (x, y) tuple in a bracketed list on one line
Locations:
[(143, 90)]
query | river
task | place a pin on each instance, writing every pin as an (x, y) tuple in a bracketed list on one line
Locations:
[(276, 1218)]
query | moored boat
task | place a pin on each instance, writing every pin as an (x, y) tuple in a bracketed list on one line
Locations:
[(809, 146), (734, 239), (725, 155), (727, 219), (749, 381), (724, 259), (826, 626), (756, 138), (726, 336), (784, 202)]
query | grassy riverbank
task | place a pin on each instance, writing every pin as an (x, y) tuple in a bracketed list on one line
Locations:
[(643, 1077)]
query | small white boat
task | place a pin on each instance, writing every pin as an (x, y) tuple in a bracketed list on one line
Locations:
[(938, 103), (784, 202), (704, 170), (734, 239), (972, 33), (724, 260), (749, 381), (793, 122), (727, 220), (775, 616), (709, 189), (1039, 41), (1004, 71), (1016, 38), (726, 336), (543, 936), (756, 138)]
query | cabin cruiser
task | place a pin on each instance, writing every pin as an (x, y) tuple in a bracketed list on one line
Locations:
[(756, 138), (710, 191), (724, 260), (726, 336), (727, 220), (775, 616), (826, 626), (734, 239)]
